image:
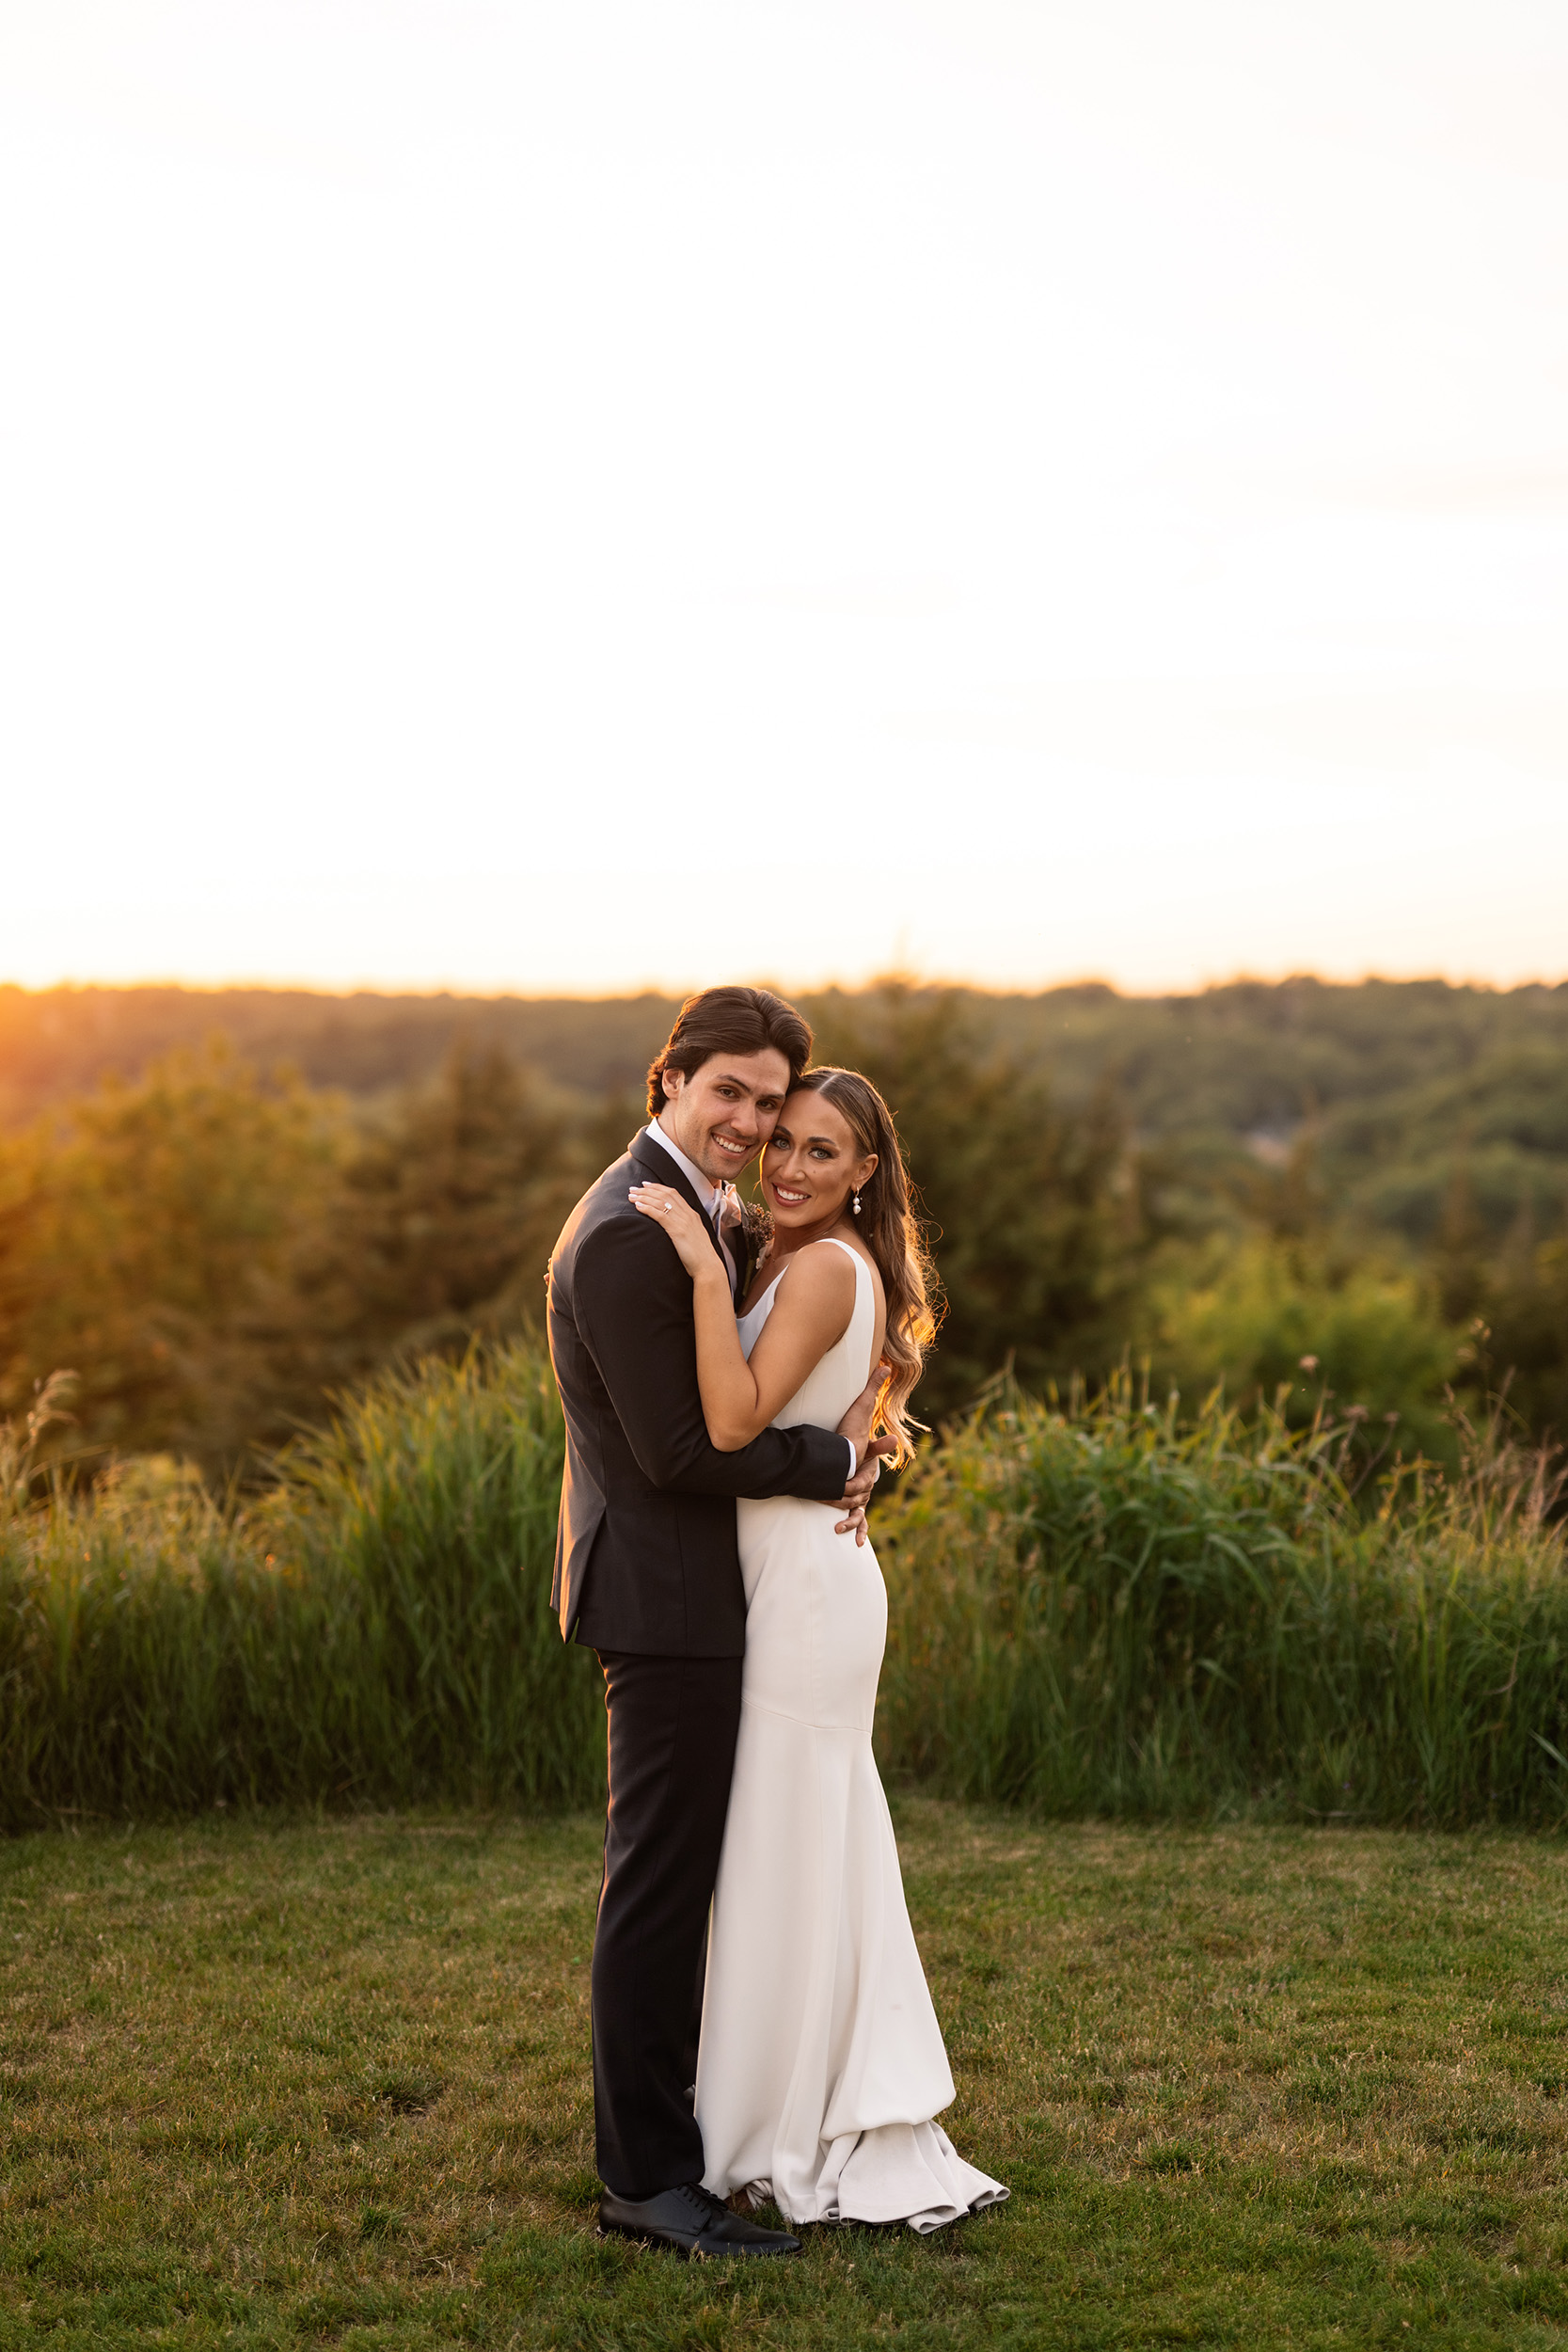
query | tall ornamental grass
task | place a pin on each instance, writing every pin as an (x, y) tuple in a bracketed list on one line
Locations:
[(1096, 1606), (1100, 1609), (375, 1627)]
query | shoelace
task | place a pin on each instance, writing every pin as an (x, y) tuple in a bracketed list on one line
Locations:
[(704, 2201)]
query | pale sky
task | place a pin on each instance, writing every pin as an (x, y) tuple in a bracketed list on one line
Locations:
[(575, 493)]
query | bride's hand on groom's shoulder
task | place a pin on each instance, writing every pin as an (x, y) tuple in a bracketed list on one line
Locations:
[(679, 1219)]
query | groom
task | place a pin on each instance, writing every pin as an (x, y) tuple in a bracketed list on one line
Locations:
[(647, 1573)]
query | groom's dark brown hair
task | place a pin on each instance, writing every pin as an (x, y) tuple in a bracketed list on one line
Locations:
[(729, 1021)]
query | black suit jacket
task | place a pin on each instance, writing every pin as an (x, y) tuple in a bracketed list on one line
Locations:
[(646, 1558)]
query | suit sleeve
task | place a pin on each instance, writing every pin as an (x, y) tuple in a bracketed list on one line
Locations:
[(631, 1299)]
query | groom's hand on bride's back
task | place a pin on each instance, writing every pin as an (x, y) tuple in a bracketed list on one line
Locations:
[(856, 1424), (856, 1427)]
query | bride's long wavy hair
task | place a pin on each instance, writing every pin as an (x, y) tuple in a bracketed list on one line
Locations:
[(891, 1231)]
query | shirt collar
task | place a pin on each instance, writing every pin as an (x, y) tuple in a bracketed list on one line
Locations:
[(706, 1192)]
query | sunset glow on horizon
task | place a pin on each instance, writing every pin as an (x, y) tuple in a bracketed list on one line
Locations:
[(570, 499)]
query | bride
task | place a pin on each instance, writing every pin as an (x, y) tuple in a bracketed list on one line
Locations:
[(821, 2069)]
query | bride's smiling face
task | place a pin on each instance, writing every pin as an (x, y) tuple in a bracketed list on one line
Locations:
[(811, 1163)]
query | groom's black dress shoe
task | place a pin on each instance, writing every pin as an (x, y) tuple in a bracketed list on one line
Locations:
[(693, 2221)]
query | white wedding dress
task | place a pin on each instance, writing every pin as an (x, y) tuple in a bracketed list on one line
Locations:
[(821, 2067)]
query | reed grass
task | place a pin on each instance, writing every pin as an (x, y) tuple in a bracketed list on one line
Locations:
[(1099, 1608), (375, 1627), (1096, 1606)]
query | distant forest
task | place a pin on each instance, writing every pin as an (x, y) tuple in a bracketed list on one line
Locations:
[(1402, 1082), (215, 1207)]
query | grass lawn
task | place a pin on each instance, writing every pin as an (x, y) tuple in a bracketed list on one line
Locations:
[(329, 2083)]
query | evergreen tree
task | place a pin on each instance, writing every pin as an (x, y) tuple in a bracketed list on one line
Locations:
[(1035, 1214)]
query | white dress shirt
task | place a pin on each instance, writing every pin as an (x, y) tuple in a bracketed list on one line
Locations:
[(705, 1188), (708, 1194)]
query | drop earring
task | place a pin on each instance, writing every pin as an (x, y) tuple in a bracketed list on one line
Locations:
[(855, 1205)]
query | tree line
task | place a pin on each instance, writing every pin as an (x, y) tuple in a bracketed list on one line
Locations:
[(216, 1246)]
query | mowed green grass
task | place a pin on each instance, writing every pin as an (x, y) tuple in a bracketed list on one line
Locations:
[(328, 2084)]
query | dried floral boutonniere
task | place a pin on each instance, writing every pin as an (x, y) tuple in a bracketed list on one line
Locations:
[(757, 1225)]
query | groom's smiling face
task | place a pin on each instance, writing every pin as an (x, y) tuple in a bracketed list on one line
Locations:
[(723, 1113)]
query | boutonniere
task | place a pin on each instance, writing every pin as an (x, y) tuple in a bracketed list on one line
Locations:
[(756, 1231)]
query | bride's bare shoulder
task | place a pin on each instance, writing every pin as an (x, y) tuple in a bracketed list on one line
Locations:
[(862, 1253), (829, 1267), (826, 1276), (821, 1281)]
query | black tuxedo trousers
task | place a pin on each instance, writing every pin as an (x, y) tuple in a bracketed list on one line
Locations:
[(673, 1727)]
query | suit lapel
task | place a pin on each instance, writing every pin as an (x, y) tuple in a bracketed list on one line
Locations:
[(746, 1261)]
